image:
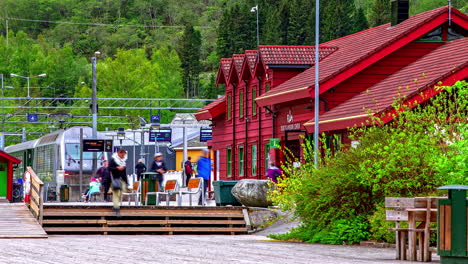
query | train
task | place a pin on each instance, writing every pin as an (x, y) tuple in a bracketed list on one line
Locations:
[(55, 158)]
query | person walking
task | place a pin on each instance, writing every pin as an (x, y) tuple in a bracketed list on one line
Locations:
[(188, 169), (273, 173), (204, 171), (118, 170), (140, 168), (159, 167), (104, 177)]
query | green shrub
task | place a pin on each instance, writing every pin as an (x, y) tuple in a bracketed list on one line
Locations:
[(379, 226), (421, 149)]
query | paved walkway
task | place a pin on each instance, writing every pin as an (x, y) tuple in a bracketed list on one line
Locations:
[(183, 249)]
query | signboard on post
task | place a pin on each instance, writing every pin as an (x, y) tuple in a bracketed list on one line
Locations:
[(155, 120), (32, 118), (93, 145), (2, 141), (274, 143), (108, 144), (161, 135), (206, 134)]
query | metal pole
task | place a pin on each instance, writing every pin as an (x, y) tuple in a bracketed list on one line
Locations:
[(94, 107), (6, 32), (185, 144), (24, 134), (258, 38), (134, 169), (27, 78), (317, 85), (3, 104), (142, 145), (81, 163)]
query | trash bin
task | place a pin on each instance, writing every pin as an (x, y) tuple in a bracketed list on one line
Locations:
[(148, 185), (64, 193), (17, 193), (223, 195), (452, 225)]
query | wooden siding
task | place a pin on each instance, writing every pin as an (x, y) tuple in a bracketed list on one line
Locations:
[(378, 71)]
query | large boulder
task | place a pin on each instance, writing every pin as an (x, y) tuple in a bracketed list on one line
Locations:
[(252, 193)]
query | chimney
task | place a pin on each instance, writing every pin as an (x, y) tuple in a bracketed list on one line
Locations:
[(400, 11)]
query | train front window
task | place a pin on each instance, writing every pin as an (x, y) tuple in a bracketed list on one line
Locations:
[(72, 152)]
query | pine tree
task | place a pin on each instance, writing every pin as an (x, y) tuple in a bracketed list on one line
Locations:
[(379, 13), (336, 19), (359, 21), (300, 10), (189, 53), (223, 45)]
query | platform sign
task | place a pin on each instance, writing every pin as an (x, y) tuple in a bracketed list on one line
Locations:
[(206, 134), (93, 145), (2, 141), (32, 118), (161, 135), (108, 144), (274, 143), (155, 120)]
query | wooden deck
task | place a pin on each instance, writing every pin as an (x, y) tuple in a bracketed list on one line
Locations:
[(16, 221), (84, 219)]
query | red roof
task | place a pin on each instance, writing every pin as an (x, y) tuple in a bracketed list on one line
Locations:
[(426, 72), (223, 71), (357, 51), (212, 110), (292, 55), (251, 57), (238, 61), (9, 157)]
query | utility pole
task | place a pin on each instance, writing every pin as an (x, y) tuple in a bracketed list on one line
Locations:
[(94, 105), (317, 85)]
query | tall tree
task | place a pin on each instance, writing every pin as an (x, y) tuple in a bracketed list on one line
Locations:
[(379, 13), (336, 19), (189, 53)]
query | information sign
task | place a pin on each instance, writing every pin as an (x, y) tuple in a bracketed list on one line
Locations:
[(206, 134), (93, 145), (161, 135)]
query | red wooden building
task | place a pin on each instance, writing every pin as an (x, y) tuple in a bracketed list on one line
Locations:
[(270, 92), (6, 175)]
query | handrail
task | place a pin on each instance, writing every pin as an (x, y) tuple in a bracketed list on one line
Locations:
[(35, 203)]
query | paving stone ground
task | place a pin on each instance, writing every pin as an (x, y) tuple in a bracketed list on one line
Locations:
[(183, 249)]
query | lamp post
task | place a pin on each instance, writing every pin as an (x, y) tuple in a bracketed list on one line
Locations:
[(317, 85), (28, 78), (255, 10), (94, 104)]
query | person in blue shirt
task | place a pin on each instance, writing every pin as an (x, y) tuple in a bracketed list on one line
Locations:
[(204, 171)]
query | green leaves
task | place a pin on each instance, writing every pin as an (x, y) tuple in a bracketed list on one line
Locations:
[(421, 149)]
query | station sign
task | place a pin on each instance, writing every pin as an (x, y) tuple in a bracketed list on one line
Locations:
[(2, 141), (155, 120), (161, 135), (206, 134), (274, 143), (97, 145), (32, 118)]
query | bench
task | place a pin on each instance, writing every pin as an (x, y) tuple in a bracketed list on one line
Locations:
[(171, 187), (412, 242)]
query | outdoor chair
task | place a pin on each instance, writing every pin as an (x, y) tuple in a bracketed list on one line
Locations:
[(135, 192), (195, 185), (171, 187)]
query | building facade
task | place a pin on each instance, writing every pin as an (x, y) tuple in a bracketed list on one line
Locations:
[(269, 92)]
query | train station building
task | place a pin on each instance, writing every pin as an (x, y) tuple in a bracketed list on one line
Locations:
[(269, 92)]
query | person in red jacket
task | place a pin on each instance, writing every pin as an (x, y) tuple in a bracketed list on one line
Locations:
[(188, 169)]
